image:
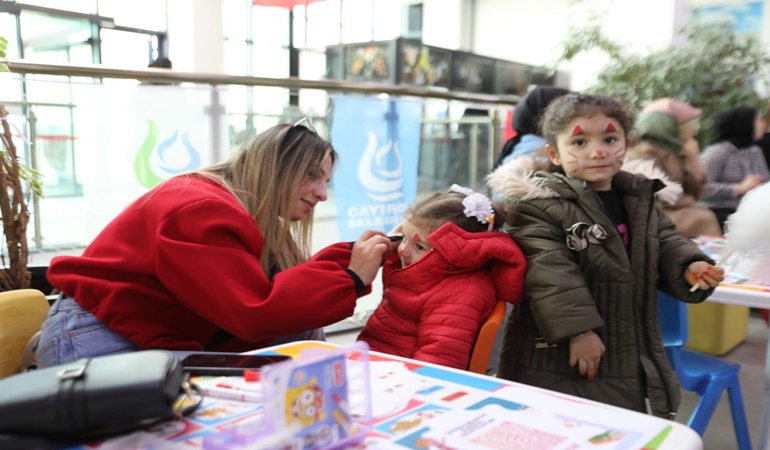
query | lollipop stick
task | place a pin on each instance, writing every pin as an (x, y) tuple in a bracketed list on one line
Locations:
[(724, 257)]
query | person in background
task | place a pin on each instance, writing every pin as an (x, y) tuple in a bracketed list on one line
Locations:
[(445, 280), (528, 137), (214, 260), (764, 142), (159, 63), (666, 131), (598, 247), (734, 165)]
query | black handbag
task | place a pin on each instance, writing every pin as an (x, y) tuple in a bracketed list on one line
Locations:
[(95, 398)]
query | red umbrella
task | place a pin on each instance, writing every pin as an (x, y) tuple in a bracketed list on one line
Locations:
[(288, 4)]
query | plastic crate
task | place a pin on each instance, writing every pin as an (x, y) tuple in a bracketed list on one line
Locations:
[(716, 328)]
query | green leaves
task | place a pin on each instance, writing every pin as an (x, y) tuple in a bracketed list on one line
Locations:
[(715, 70)]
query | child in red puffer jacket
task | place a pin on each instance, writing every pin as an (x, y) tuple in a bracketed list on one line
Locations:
[(444, 281)]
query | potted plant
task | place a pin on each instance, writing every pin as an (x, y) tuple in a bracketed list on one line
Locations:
[(17, 184), (714, 70)]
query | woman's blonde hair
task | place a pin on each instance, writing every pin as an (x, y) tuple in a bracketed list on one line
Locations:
[(265, 177)]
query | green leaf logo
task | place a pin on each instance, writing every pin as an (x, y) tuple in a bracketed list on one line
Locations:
[(142, 169)]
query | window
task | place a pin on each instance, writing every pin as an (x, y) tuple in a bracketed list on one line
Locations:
[(54, 39)]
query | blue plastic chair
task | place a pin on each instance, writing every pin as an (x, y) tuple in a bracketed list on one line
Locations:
[(703, 374)]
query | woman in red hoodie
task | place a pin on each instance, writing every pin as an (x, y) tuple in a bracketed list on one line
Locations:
[(213, 260)]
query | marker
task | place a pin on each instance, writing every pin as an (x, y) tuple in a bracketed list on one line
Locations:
[(396, 238), (252, 387), (232, 394)]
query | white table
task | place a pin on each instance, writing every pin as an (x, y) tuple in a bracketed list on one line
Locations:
[(753, 298), (414, 400), (453, 390)]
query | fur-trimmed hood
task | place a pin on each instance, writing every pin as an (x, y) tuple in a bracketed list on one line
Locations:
[(519, 180)]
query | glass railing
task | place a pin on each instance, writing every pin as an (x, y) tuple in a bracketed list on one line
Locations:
[(102, 137)]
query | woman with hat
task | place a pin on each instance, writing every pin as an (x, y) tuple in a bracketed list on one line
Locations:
[(667, 130)]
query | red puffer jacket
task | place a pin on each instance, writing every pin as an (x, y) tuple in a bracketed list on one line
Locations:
[(433, 309)]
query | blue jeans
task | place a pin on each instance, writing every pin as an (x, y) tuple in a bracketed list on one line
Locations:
[(70, 333)]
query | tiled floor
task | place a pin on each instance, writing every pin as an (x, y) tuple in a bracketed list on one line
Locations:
[(719, 434)]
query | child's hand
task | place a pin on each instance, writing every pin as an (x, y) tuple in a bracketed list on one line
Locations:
[(704, 275), (586, 351)]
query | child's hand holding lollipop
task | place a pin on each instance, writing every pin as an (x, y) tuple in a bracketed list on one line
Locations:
[(703, 275)]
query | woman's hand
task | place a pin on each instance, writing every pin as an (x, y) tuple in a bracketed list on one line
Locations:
[(368, 253), (586, 351), (704, 275)]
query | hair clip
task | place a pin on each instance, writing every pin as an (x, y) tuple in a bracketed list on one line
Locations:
[(476, 205)]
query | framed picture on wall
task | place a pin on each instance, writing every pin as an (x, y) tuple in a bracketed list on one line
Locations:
[(473, 73), (371, 62), (512, 78), (422, 65), (541, 77)]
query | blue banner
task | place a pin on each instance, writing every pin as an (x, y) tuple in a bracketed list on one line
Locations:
[(376, 179)]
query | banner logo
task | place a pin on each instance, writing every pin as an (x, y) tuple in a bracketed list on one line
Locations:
[(168, 157), (381, 139), (382, 184)]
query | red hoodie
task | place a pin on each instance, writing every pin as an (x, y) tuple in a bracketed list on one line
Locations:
[(180, 266), (433, 310)]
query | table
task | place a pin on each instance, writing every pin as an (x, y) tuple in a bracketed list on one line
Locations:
[(755, 297), (424, 398)]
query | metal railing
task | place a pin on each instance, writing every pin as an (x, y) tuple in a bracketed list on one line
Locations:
[(173, 76)]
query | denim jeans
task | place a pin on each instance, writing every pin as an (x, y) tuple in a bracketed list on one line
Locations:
[(71, 333)]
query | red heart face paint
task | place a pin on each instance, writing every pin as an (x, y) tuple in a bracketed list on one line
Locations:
[(415, 244), (591, 149)]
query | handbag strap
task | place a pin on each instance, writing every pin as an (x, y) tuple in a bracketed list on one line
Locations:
[(191, 391), (71, 393)]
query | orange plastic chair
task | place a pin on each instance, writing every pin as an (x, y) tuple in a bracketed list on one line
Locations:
[(21, 315), (482, 349)]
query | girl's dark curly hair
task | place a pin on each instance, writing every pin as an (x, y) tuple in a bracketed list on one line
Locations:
[(566, 108)]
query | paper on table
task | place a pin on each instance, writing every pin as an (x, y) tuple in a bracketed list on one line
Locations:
[(394, 387), (552, 421)]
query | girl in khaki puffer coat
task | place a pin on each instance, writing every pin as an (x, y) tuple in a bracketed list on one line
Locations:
[(598, 249)]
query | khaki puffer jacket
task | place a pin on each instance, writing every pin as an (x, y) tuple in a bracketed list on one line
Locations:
[(593, 283)]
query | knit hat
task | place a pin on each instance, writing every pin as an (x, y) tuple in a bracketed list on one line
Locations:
[(681, 111)]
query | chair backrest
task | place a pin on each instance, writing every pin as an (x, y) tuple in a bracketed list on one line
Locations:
[(673, 320), (21, 315), (482, 349)]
